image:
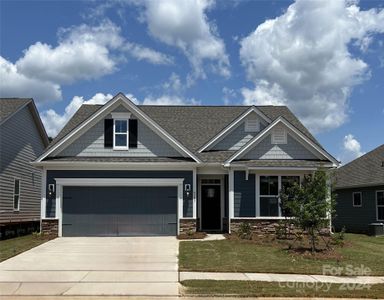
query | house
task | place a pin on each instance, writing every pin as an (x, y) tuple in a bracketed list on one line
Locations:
[(360, 192), (22, 140), (126, 169)]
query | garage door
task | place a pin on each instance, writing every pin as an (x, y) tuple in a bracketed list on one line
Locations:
[(119, 211)]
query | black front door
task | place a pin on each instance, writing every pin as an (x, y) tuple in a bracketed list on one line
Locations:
[(210, 207)]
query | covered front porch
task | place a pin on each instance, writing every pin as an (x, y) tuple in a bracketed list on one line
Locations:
[(245, 192)]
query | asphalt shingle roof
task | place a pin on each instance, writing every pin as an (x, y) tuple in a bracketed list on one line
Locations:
[(8, 106), (192, 126), (367, 170)]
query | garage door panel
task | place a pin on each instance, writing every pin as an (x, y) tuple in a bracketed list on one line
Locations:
[(119, 211)]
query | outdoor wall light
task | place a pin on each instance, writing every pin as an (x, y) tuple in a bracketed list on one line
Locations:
[(51, 190)]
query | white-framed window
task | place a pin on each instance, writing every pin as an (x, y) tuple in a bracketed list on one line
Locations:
[(380, 205), (357, 199), (252, 125), (269, 187), (279, 136), (120, 134), (16, 194)]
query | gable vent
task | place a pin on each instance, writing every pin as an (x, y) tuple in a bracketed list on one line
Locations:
[(279, 136), (252, 125)]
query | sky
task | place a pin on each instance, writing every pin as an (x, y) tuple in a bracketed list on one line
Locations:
[(323, 59)]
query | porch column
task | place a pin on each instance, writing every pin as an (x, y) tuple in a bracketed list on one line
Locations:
[(194, 194), (43, 204), (231, 197)]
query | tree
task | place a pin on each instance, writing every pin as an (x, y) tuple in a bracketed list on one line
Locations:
[(310, 205)]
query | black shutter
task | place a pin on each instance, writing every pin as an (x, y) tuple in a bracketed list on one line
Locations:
[(132, 133), (108, 133)]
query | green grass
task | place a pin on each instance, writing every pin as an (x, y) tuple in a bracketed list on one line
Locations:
[(275, 289), (12, 247), (245, 256)]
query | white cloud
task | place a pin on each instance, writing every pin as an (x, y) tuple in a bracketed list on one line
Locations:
[(169, 100), (351, 149), (185, 25), (228, 95), (83, 52), (54, 122), (152, 56), (15, 84), (301, 59), (173, 84)]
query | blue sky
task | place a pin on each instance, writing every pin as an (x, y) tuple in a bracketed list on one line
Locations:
[(324, 59)]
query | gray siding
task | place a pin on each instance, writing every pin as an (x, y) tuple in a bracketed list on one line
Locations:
[(244, 202), (356, 219), (91, 143), (187, 175), (266, 150), (20, 143), (237, 138)]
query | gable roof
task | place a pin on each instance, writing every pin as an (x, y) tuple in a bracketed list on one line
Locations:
[(119, 99), (10, 106), (281, 120), (367, 170), (192, 126)]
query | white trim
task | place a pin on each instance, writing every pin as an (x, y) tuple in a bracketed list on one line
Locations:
[(377, 205), (231, 196), (14, 194), (89, 165), (121, 115), (232, 125), (353, 199), (194, 196), (261, 218), (103, 111), (278, 168), (61, 182), (279, 183), (247, 147), (43, 204), (126, 147)]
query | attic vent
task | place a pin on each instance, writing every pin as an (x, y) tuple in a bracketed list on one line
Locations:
[(252, 125), (279, 136)]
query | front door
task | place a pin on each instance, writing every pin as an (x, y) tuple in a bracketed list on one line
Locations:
[(210, 207)]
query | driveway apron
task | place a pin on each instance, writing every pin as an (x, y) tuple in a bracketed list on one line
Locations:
[(133, 266)]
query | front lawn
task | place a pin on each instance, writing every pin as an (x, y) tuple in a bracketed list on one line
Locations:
[(275, 289), (14, 246), (247, 256)]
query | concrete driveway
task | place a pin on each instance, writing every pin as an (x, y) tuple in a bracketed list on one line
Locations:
[(94, 266)]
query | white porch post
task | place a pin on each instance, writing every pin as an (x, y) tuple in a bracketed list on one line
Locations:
[(43, 204), (231, 198), (194, 193)]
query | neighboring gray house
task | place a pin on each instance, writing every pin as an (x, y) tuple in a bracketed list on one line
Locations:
[(22, 140), (122, 169), (360, 192)]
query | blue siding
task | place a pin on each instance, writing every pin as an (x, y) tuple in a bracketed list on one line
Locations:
[(245, 204), (356, 219), (187, 175)]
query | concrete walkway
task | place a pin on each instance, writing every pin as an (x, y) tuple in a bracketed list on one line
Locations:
[(129, 266), (271, 277)]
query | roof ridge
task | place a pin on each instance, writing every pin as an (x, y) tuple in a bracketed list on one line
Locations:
[(363, 156)]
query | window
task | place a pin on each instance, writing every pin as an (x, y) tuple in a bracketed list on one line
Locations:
[(279, 136), (357, 199), (16, 195), (380, 205), (269, 189), (252, 125), (120, 134)]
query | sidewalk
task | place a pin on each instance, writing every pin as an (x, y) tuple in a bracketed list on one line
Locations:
[(271, 277)]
